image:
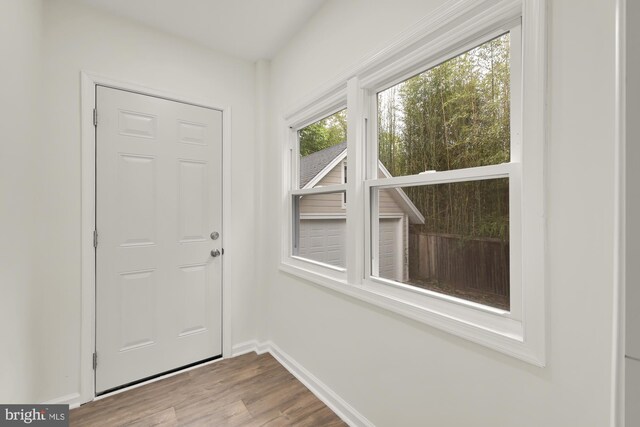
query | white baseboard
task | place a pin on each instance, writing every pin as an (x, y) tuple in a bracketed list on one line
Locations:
[(244, 348), (330, 398), (337, 404), (264, 347), (73, 400)]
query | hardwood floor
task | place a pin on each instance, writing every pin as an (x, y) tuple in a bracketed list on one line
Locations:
[(248, 390)]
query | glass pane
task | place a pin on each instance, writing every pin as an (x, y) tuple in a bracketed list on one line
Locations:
[(320, 227), (455, 115), (448, 238), (321, 144)]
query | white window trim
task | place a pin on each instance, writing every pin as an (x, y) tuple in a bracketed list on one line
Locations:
[(450, 30), (330, 104)]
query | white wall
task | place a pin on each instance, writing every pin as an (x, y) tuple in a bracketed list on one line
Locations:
[(20, 47), (393, 370), (77, 37), (399, 372)]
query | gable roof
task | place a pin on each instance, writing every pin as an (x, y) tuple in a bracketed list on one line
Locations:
[(415, 216), (314, 163)]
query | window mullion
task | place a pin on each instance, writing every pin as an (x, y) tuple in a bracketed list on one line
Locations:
[(356, 137)]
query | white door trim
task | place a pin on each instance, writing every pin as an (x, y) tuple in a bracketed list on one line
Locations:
[(88, 82), (618, 372)]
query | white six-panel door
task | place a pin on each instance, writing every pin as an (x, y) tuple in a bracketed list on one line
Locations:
[(159, 198)]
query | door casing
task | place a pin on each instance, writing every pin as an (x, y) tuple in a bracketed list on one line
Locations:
[(88, 197)]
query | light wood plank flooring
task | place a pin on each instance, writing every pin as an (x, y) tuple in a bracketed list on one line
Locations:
[(248, 390)]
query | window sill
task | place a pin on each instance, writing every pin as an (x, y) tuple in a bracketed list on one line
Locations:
[(498, 333)]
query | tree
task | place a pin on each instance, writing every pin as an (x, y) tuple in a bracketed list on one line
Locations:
[(323, 134), (453, 116)]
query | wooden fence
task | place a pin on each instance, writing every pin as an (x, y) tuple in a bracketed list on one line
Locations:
[(476, 265)]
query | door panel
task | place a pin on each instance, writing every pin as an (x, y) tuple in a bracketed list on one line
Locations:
[(159, 188), (136, 201), (137, 308), (192, 201), (193, 307)]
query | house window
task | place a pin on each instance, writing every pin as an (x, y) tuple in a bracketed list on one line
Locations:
[(319, 220), (445, 220), (447, 133)]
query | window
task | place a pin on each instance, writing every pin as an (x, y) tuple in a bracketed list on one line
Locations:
[(319, 220), (322, 146), (457, 244), (320, 230), (445, 137), (445, 131)]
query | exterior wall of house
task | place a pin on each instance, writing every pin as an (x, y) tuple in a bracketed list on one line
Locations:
[(425, 375), (388, 204), (331, 204), (333, 177), (322, 204), (325, 204)]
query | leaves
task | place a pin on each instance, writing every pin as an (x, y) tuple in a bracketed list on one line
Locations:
[(323, 134), (455, 115)]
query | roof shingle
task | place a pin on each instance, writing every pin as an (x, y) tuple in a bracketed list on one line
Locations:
[(314, 163)]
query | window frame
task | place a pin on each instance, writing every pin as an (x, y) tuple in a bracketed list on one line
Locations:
[(511, 170), (330, 106), (449, 31)]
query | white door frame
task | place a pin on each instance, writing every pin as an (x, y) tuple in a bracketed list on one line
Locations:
[(88, 82), (618, 372)]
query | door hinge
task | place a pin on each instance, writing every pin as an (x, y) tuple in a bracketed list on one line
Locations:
[(95, 361), (95, 239), (95, 117)]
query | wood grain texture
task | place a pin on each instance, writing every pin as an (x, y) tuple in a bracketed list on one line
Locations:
[(248, 390)]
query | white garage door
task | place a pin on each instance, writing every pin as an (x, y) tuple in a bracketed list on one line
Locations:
[(391, 249), (323, 240)]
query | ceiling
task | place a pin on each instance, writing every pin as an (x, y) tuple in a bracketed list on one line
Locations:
[(248, 29)]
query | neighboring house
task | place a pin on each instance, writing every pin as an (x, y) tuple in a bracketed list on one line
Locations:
[(323, 217)]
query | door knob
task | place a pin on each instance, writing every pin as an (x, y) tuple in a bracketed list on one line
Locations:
[(215, 253)]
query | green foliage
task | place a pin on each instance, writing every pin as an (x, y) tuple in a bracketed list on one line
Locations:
[(323, 134), (453, 116)]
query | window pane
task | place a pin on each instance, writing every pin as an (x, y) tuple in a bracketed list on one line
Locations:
[(448, 238), (322, 144), (320, 227), (452, 116)]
